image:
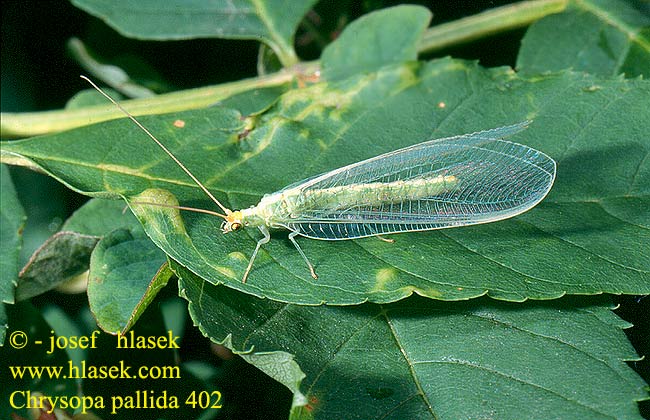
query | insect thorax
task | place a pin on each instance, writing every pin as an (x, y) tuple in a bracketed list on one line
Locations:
[(272, 210)]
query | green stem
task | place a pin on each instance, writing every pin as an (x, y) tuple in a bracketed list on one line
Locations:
[(113, 76), (286, 54), (36, 123), (490, 22)]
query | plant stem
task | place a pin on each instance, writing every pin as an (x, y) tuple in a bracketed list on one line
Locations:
[(490, 22), (113, 76), (36, 123)]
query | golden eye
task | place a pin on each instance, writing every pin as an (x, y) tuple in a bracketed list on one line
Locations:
[(235, 226)]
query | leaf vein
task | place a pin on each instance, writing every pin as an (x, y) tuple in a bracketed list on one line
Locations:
[(513, 378), (410, 363)]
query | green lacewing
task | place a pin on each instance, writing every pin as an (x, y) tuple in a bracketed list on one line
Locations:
[(448, 182)]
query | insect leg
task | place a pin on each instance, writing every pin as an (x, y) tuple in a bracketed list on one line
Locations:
[(389, 240), (292, 238), (380, 236), (262, 241)]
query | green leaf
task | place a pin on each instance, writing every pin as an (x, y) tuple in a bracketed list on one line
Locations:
[(90, 97), (173, 381), (273, 22), (12, 220), (100, 217), (375, 40), (66, 254), (587, 237), (605, 37), (66, 326), (222, 124), (126, 273), (426, 359), (126, 269), (62, 257), (254, 101), (25, 318)]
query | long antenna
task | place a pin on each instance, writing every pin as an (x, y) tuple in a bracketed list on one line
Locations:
[(162, 146), (171, 206)]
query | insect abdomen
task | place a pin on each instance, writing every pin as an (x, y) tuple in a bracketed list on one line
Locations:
[(374, 193)]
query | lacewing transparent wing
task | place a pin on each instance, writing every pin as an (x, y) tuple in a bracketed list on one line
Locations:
[(456, 181)]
